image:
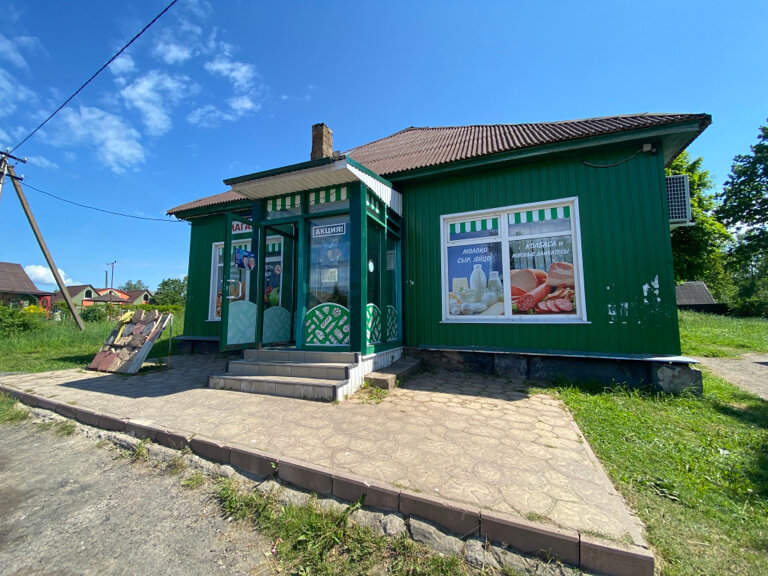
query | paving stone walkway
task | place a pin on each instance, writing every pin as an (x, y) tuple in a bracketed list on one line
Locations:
[(468, 438)]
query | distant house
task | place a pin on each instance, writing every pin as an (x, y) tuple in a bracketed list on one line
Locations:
[(696, 296), (115, 296), (78, 294), (17, 289)]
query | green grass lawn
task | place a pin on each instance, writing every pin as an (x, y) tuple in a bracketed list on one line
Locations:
[(61, 345), (695, 470), (712, 335)]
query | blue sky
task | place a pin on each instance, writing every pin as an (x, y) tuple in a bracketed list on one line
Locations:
[(220, 89)]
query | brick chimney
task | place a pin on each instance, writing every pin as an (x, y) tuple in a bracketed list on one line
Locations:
[(322, 142)]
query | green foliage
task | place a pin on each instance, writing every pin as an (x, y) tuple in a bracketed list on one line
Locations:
[(131, 285), (694, 469), (713, 335), (744, 208), (171, 291), (18, 320), (94, 314), (174, 309), (11, 412), (312, 540), (699, 250)]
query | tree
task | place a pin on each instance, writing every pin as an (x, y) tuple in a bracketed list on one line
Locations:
[(744, 201), (744, 208), (171, 291), (699, 250), (131, 285)]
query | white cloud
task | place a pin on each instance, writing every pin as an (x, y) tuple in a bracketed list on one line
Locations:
[(12, 93), (123, 65), (10, 52), (209, 116), (241, 74), (43, 275), (172, 52), (242, 104), (5, 140), (117, 143), (153, 95), (41, 161)]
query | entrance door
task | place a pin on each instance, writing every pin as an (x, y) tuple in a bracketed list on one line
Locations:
[(238, 308), (279, 285)]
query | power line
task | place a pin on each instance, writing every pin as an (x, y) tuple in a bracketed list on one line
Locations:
[(67, 101), (97, 209)]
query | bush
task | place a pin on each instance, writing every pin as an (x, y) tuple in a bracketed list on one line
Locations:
[(93, 314), (16, 320)]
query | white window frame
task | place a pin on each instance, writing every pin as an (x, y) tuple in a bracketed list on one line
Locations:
[(503, 238), (215, 265)]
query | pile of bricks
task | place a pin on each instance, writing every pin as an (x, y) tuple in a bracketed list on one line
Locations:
[(129, 343)]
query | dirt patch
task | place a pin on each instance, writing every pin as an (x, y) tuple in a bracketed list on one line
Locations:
[(749, 371), (71, 508)]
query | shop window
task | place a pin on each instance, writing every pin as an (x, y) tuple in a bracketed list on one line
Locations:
[(513, 264), (217, 277)]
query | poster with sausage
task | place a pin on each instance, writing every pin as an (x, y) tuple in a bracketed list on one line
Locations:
[(541, 278)]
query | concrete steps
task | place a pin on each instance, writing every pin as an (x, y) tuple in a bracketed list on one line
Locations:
[(289, 373)]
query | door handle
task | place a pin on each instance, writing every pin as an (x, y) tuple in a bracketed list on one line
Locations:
[(239, 289)]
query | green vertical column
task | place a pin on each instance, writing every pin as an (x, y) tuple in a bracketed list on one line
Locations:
[(358, 271), (258, 238), (301, 253)]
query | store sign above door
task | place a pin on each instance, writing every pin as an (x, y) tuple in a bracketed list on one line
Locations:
[(240, 227), (332, 230)]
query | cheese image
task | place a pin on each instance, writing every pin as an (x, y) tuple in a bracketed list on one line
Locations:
[(459, 284)]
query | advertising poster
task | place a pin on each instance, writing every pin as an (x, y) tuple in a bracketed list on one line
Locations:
[(245, 259), (475, 285), (273, 272), (542, 277)]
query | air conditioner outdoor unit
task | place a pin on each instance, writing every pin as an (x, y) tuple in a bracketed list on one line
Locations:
[(679, 200)]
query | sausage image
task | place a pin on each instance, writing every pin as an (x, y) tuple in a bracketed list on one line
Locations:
[(564, 305), (529, 300)]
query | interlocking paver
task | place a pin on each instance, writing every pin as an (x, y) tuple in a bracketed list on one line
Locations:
[(475, 440)]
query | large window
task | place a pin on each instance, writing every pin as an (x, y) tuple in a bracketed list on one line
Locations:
[(513, 264)]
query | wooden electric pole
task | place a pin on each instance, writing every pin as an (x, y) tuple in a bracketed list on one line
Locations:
[(43, 247)]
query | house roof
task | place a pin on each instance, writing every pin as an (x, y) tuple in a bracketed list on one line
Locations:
[(415, 148), (689, 293), (14, 280), (424, 147), (74, 291), (134, 294)]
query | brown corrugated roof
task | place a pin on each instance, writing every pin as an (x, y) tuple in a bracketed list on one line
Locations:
[(415, 148), (14, 280), (223, 198), (425, 147)]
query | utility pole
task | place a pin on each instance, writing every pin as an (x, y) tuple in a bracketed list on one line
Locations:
[(112, 281), (41, 242)]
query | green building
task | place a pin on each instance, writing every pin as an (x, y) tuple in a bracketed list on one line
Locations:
[(523, 249)]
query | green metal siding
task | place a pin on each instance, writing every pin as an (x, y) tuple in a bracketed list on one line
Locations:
[(625, 251), (205, 231)]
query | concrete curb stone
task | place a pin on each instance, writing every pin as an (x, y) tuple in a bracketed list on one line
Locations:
[(111, 423), (172, 439), (66, 410), (350, 488), (609, 558), (140, 431), (531, 538), (87, 417), (305, 475), (210, 449), (253, 461), (461, 520)]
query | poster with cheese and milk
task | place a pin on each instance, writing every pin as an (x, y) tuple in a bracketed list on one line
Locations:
[(475, 284)]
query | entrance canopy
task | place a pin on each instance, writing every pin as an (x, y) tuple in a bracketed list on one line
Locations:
[(315, 174)]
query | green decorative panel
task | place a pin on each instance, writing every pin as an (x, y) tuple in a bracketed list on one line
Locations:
[(327, 324), (392, 321), (241, 326), (373, 324)]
